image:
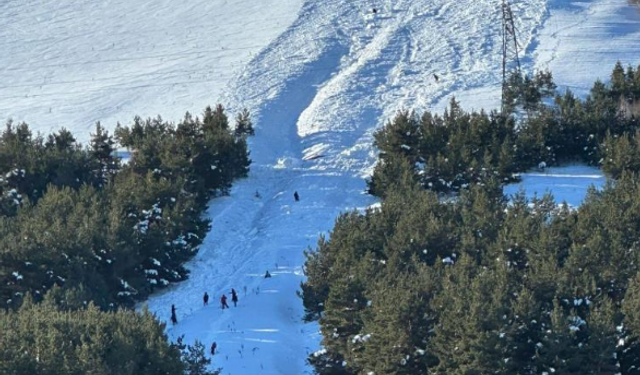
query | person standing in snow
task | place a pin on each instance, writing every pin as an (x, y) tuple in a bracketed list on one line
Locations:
[(223, 302), (267, 275), (205, 298), (296, 196), (174, 318), (234, 297), (214, 346)]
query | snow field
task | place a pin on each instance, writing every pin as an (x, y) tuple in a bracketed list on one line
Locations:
[(249, 236), (77, 62), (568, 183), (319, 78), (582, 40)]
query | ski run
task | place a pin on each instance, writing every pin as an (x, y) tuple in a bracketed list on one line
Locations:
[(319, 78)]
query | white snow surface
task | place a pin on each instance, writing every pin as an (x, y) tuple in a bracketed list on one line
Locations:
[(581, 41), (319, 78), (568, 183), (75, 62)]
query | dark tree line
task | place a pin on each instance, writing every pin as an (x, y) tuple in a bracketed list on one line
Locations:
[(62, 336), (448, 153), (78, 217), (479, 284), (84, 233)]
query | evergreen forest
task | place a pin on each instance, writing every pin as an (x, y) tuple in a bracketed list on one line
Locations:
[(449, 276), (85, 234)]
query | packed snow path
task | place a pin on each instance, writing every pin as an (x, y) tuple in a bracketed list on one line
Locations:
[(319, 77)]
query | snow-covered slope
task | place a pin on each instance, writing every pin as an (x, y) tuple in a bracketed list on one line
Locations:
[(319, 78), (75, 62), (581, 41)]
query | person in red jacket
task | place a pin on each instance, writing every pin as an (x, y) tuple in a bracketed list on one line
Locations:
[(223, 302)]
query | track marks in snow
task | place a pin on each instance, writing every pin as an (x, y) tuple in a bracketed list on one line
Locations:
[(318, 93), (319, 77), (581, 41), (78, 62)]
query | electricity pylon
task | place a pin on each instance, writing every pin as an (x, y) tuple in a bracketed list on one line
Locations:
[(510, 48)]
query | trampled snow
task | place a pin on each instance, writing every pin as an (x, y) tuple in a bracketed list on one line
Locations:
[(319, 78)]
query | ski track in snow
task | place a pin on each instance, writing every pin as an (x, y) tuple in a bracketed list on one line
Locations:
[(319, 77)]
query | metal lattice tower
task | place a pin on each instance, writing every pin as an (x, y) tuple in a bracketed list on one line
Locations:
[(510, 47)]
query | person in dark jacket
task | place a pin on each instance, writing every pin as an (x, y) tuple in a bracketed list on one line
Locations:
[(234, 297), (205, 298), (223, 302), (296, 196), (267, 275), (174, 318), (214, 346)]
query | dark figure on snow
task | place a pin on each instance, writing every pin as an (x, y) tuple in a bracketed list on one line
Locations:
[(214, 346), (435, 76), (374, 10), (267, 275), (258, 194), (206, 298), (174, 318), (223, 302), (234, 297), (296, 196)]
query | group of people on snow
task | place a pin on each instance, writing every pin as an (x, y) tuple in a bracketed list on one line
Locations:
[(223, 298)]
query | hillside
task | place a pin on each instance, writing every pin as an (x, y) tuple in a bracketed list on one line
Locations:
[(319, 78)]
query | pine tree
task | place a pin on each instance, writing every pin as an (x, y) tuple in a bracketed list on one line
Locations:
[(63, 140), (396, 333), (472, 335), (400, 136), (600, 353), (618, 80), (102, 150), (244, 126), (630, 353), (559, 352), (394, 172), (195, 360), (215, 120)]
